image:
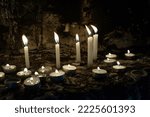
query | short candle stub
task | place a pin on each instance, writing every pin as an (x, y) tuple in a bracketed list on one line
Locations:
[(70, 70), (57, 76), (45, 70), (99, 74), (2, 76), (111, 56), (9, 68), (110, 61), (129, 55), (24, 74), (32, 84), (119, 68)]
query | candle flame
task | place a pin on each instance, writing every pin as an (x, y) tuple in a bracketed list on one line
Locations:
[(42, 67), (56, 71), (118, 63), (56, 37), (77, 37), (25, 70), (98, 68), (128, 51), (25, 40), (88, 30), (36, 73), (7, 65), (94, 28)]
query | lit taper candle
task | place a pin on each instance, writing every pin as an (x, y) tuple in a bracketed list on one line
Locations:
[(89, 48), (57, 50), (78, 53), (95, 42), (26, 51)]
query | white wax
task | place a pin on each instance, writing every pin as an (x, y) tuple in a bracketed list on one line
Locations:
[(99, 71), (119, 67), (90, 51), (95, 46), (24, 73), (57, 74), (110, 60), (32, 81), (2, 74), (9, 68), (78, 53), (129, 54), (26, 53), (111, 56), (46, 69), (57, 51), (69, 68)]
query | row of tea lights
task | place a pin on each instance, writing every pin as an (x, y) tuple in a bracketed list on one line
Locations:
[(59, 74), (43, 72)]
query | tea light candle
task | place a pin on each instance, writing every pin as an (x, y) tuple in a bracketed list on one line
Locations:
[(2, 75), (129, 54), (95, 42), (32, 82), (69, 69), (111, 56), (57, 50), (57, 76), (99, 73), (119, 67), (25, 73), (89, 48), (9, 68), (45, 70), (26, 51), (108, 60)]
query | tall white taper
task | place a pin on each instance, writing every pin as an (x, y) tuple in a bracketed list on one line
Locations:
[(78, 53), (26, 51), (57, 51)]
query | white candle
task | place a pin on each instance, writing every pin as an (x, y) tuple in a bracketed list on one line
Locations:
[(78, 53), (2, 75), (99, 71), (95, 42), (9, 68), (118, 66), (57, 76), (108, 60), (69, 67), (109, 55), (89, 48), (57, 73), (129, 54), (57, 50), (45, 70), (26, 51), (32, 81), (24, 73)]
